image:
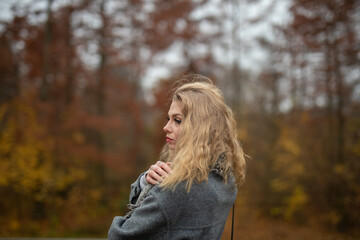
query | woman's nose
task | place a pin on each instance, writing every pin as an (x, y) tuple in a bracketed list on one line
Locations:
[(167, 128)]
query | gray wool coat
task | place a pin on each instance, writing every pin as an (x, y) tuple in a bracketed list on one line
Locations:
[(166, 214)]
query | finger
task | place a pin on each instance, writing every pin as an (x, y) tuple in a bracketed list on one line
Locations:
[(159, 171), (166, 168), (159, 163), (155, 175), (149, 179)]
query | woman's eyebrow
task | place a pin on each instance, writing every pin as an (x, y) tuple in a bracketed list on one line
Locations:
[(176, 115)]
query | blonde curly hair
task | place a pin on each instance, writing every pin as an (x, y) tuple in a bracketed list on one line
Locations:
[(208, 131)]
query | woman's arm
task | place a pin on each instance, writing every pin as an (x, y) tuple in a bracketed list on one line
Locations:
[(156, 173), (147, 222), (135, 189)]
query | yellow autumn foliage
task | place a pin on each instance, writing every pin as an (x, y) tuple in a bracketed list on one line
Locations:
[(296, 201), (27, 164), (288, 169)]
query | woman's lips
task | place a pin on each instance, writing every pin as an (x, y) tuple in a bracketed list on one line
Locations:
[(168, 139)]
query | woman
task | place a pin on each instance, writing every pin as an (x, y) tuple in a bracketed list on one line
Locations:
[(188, 193)]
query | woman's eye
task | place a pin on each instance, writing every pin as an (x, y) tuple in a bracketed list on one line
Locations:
[(178, 121), (168, 119)]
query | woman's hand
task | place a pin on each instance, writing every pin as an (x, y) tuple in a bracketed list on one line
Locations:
[(158, 172)]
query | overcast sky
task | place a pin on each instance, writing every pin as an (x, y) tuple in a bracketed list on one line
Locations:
[(249, 53)]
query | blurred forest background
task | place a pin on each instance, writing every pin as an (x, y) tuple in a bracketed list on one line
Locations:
[(82, 109)]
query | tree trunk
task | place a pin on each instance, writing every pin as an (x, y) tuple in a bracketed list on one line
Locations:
[(69, 57), (44, 88)]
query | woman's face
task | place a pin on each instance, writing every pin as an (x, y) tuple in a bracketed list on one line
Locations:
[(173, 126)]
